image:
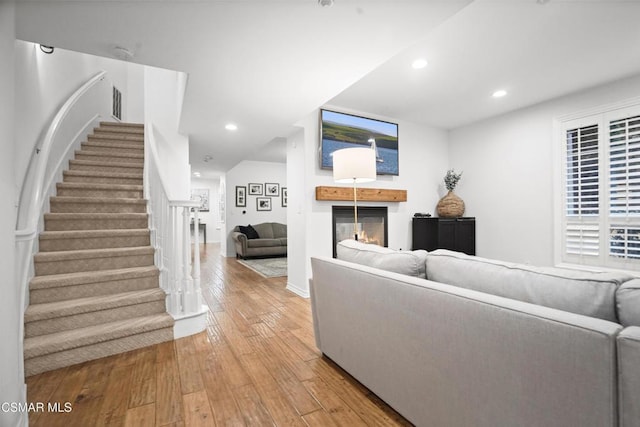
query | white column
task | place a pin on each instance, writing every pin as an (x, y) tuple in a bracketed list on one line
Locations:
[(175, 297), (187, 281)]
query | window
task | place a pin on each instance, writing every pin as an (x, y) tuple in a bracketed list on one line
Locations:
[(116, 105), (601, 189)]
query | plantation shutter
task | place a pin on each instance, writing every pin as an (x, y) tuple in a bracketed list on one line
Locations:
[(582, 200), (624, 187), (601, 194)]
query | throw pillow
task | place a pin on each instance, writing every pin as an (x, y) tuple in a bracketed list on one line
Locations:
[(249, 231)]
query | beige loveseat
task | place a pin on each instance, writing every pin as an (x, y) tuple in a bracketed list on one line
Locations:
[(481, 342), (271, 240)]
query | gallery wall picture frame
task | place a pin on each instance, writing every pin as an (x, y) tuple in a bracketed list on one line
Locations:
[(255, 189), (272, 189), (241, 196), (201, 195), (285, 197), (263, 204)]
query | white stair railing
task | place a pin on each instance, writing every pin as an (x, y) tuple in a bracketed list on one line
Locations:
[(82, 111), (170, 234)]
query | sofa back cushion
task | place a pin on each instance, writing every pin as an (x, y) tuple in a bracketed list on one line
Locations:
[(588, 293), (265, 230), (279, 230), (411, 263), (628, 303)]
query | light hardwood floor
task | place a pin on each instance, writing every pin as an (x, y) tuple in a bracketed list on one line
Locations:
[(255, 365)]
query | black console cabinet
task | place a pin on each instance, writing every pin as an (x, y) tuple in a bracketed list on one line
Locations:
[(456, 234)]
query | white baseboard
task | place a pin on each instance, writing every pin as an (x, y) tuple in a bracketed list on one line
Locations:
[(190, 324), (304, 293)]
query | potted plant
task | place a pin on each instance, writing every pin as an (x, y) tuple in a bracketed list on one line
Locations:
[(451, 206)]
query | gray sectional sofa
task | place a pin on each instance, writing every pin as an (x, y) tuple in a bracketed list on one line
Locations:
[(271, 240), (480, 342)]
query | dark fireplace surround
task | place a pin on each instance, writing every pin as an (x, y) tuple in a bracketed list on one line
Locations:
[(372, 225)]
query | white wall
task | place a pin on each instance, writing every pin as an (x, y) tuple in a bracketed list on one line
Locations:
[(508, 163), (11, 370), (242, 174), (297, 214), (423, 158), (211, 218), (163, 94), (44, 82)]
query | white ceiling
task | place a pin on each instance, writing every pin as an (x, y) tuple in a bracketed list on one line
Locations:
[(265, 64)]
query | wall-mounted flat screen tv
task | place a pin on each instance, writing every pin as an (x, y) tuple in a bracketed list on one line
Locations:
[(341, 130)]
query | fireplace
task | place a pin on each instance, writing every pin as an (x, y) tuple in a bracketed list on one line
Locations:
[(372, 225)]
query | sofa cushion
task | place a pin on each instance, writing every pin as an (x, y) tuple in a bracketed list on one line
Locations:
[(628, 303), (263, 243), (279, 230), (411, 263), (581, 292), (265, 230), (249, 231)]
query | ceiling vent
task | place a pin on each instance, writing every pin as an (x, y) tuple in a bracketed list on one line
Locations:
[(122, 53)]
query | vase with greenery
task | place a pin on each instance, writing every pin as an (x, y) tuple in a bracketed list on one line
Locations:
[(451, 206)]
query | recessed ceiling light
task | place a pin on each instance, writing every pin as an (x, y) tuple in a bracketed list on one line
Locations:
[(499, 93), (231, 126), (196, 174), (325, 3), (419, 63)]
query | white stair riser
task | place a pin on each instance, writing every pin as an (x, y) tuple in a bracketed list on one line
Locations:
[(44, 268), (45, 295), (94, 224), (61, 359), (73, 244), (50, 326)]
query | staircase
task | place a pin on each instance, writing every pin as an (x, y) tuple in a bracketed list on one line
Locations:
[(96, 290)]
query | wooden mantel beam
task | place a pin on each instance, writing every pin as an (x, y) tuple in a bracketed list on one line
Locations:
[(364, 194)]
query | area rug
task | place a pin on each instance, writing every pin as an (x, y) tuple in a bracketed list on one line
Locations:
[(267, 267)]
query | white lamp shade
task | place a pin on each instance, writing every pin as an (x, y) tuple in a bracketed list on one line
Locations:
[(354, 165)]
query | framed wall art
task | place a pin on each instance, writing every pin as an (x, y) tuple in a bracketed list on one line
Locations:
[(201, 195), (271, 189), (263, 203), (255, 189), (241, 196), (285, 198)]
